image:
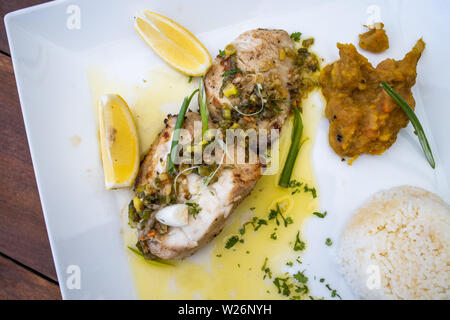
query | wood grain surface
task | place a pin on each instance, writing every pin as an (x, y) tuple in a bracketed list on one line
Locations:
[(26, 265), (18, 282)]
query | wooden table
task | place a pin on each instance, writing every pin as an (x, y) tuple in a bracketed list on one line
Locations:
[(26, 264)]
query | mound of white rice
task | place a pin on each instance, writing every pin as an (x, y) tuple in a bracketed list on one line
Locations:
[(397, 246)]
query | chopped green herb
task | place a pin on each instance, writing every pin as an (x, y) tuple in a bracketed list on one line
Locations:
[(222, 53), (294, 184), (267, 272), (255, 222), (320, 215), (194, 209), (273, 214), (333, 292), (231, 242), (231, 72), (300, 277), (289, 263), (274, 236), (190, 79), (283, 286), (299, 245), (312, 190), (328, 242), (252, 208), (296, 36)]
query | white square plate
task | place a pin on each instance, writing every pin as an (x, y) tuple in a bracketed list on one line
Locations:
[(51, 63)]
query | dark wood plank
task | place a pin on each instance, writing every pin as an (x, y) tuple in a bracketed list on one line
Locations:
[(16, 282), (23, 235), (7, 6)]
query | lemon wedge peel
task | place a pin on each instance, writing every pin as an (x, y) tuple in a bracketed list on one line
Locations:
[(173, 43), (119, 142)]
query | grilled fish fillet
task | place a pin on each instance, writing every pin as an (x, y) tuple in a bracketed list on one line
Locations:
[(215, 201), (265, 57)]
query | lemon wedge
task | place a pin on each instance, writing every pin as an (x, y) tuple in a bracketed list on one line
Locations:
[(119, 142), (173, 43)]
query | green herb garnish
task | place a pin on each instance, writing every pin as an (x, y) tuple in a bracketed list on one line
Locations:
[(333, 292), (414, 120), (296, 36), (255, 222), (194, 209), (231, 72), (299, 245), (231, 242), (320, 215), (267, 271), (300, 277), (222, 53), (297, 131), (176, 133), (203, 107), (273, 214), (328, 242), (312, 190)]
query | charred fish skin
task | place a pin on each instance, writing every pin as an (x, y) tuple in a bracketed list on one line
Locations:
[(209, 205), (252, 84)]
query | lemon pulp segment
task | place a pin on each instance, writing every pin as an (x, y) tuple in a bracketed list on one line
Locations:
[(119, 142)]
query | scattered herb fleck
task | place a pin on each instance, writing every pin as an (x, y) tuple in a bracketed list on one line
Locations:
[(283, 286), (255, 222), (296, 36), (312, 190), (320, 215), (333, 292), (273, 214), (328, 242), (231, 242), (194, 209), (300, 277), (231, 72), (299, 245), (267, 272)]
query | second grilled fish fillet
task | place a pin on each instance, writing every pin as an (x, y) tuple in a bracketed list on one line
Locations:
[(264, 57), (211, 203)]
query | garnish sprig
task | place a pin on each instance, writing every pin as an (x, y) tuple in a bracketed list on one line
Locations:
[(176, 133), (203, 107), (414, 120), (294, 149)]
